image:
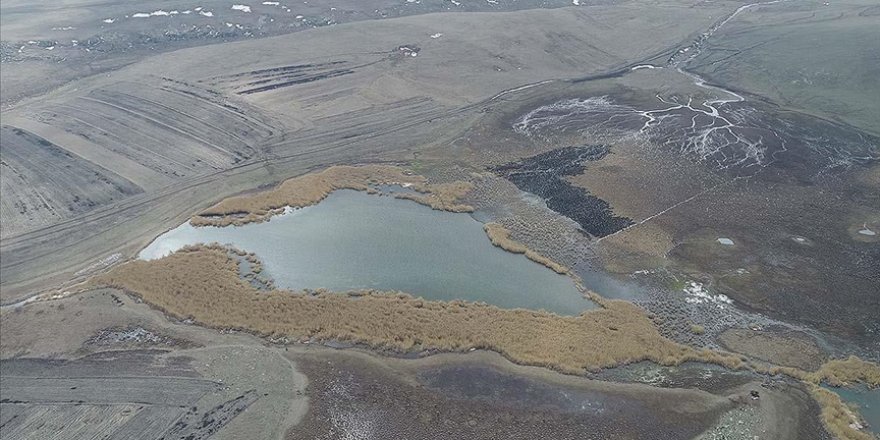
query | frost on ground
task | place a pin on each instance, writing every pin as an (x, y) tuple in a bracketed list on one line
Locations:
[(698, 294), (159, 13), (723, 133)]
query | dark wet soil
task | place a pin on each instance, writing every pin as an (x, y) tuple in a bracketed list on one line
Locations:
[(350, 398), (544, 175)]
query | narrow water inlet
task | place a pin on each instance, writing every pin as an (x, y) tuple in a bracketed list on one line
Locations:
[(354, 240)]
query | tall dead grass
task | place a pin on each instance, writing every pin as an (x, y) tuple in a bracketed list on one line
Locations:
[(836, 372), (839, 419), (500, 236), (202, 283), (310, 189), (840, 372)]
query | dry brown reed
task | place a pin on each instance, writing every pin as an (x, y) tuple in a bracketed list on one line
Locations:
[(202, 283), (500, 236), (838, 419), (836, 372), (311, 188)]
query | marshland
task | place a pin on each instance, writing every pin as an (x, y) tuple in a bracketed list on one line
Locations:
[(432, 219)]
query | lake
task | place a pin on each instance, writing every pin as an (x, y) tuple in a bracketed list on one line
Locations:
[(354, 240)]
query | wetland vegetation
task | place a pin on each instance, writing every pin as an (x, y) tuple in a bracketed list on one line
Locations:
[(410, 197), (354, 241)]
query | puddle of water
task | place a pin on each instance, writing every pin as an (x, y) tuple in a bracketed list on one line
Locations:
[(609, 286), (395, 189), (353, 240), (868, 402)]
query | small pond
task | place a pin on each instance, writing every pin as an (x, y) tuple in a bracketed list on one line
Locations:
[(354, 240)]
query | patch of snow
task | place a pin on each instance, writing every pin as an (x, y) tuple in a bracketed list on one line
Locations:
[(437, 35), (242, 8), (159, 13), (866, 231), (576, 2), (698, 294), (108, 20), (206, 13), (725, 241), (299, 17), (271, 3)]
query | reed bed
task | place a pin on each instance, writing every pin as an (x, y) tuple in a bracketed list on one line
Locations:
[(202, 283), (310, 189)]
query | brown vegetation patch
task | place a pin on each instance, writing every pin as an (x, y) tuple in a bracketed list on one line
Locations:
[(840, 372), (838, 418), (500, 236), (202, 283), (311, 188), (442, 196), (836, 372), (779, 346)]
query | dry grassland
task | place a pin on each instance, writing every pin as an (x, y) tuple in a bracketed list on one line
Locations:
[(311, 188), (202, 283), (500, 236)]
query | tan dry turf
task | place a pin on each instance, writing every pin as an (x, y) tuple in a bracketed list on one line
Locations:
[(837, 417), (311, 188), (202, 283), (500, 236)]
